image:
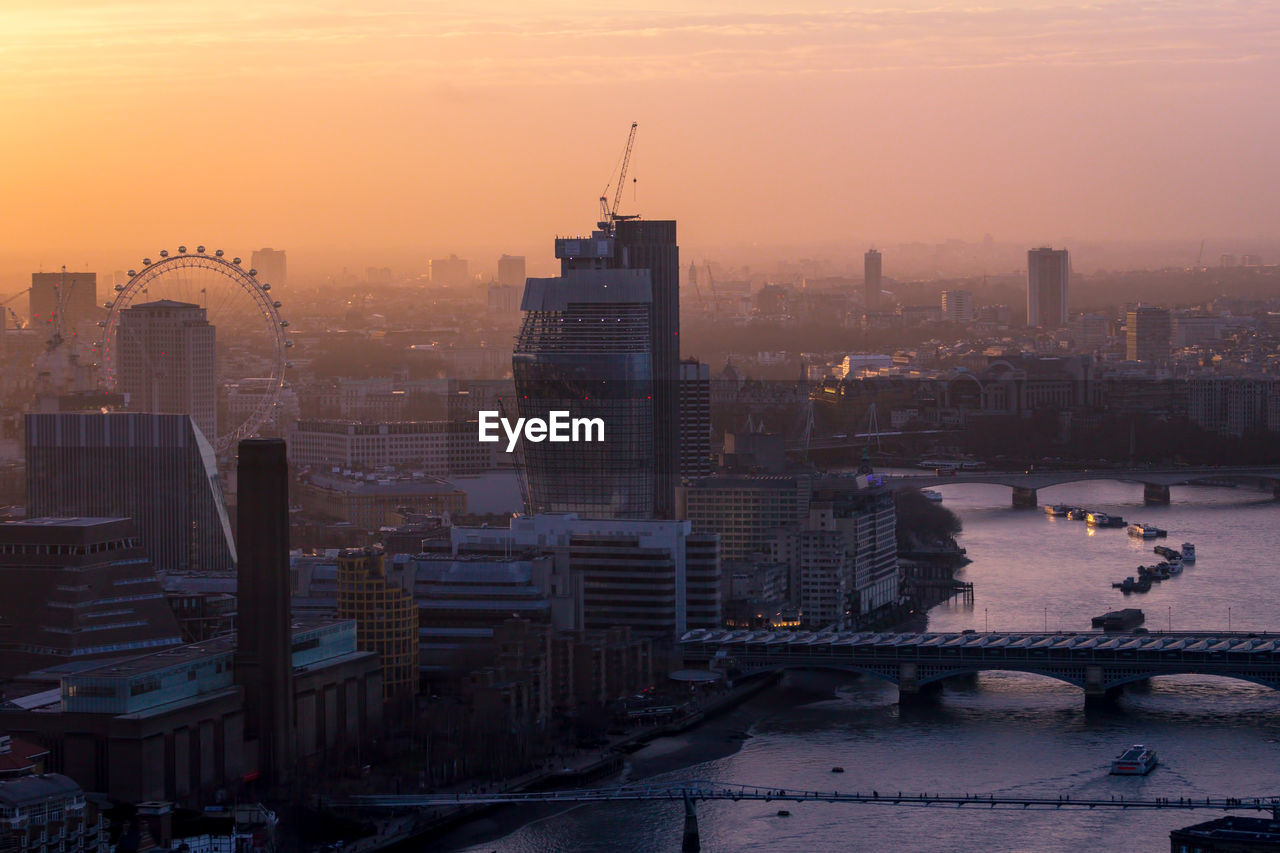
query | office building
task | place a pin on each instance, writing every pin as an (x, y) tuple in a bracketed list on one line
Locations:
[(1192, 329), (957, 306), (511, 271), (584, 348), (647, 245), (1048, 281), (1148, 334), (452, 271), (504, 299), (61, 301), (379, 596), (47, 813), (871, 279), (437, 448), (77, 589), (695, 420), (1088, 331), (157, 469), (271, 266), (639, 574), (745, 511), (165, 362)]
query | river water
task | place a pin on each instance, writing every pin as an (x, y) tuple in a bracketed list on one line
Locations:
[(998, 733)]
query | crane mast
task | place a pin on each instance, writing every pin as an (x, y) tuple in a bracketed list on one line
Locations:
[(609, 212)]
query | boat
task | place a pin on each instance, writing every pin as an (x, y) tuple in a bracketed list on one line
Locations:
[(1175, 568), (1057, 510), (1142, 531), (1137, 760), (1120, 620), (932, 495), (783, 813), (1168, 553), (1188, 552), (837, 769), (1101, 519), (1077, 513)]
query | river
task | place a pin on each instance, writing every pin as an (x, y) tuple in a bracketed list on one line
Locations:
[(998, 733)]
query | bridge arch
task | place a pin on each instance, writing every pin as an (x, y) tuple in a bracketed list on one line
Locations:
[(1261, 680)]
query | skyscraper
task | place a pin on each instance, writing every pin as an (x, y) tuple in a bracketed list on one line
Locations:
[(378, 595), (584, 347), (957, 306), (1148, 334), (154, 468), (1048, 278), (452, 271), (166, 362), (871, 272), (270, 264), (695, 419), (511, 270)]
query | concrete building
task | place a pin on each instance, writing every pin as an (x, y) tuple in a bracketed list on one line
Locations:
[(1148, 334), (511, 272), (77, 589), (1192, 329), (157, 469), (1048, 283), (1088, 331), (504, 299), (437, 448), (696, 459), (744, 511), (452, 271), (957, 306), (371, 503), (271, 264), (62, 300), (380, 598), (871, 280), (165, 362)]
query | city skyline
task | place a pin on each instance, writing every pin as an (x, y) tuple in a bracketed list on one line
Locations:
[(326, 129)]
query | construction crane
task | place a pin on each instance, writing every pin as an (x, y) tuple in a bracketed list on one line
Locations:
[(609, 212), (17, 321)]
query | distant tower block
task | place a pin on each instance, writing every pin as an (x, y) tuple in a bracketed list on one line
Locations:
[(1048, 282), (871, 273)]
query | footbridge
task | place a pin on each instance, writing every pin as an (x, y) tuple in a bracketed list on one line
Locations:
[(1099, 663), (1156, 481)]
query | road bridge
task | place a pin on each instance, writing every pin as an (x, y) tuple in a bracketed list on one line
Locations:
[(1099, 663), (1156, 481)]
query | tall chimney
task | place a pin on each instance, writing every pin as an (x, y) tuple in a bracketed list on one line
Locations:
[(264, 667)]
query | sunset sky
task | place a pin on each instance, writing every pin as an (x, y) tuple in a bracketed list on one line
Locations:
[(412, 128)]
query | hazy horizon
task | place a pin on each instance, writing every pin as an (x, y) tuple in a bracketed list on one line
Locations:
[(400, 130)]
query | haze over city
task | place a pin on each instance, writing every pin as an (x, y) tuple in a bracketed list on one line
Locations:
[(404, 130)]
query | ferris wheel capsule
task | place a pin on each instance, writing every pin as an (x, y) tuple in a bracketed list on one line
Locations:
[(132, 273), (217, 253), (235, 261), (182, 250), (200, 249), (119, 287), (253, 272), (266, 285), (277, 304), (164, 253), (146, 262)]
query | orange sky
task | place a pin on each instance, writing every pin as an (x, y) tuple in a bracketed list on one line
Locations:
[(342, 128)]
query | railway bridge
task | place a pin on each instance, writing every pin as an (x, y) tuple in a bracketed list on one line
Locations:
[(1099, 663)]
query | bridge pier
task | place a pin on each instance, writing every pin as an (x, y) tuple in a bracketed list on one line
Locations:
[(1024, 498), (910, 690), (691, 842), (1096, 694), (1154, 494), (1275, 492)]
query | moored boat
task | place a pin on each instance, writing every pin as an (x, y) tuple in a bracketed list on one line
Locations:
[(932, 495), (1057, 510), (1188, 552), (1077, 513)]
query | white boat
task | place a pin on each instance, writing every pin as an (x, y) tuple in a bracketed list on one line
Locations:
[(1057, 510), (1188, 552), (1137, 760), (932, 495), (1142, 531)]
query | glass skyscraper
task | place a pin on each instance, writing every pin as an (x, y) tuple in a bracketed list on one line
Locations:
[(585, 347)]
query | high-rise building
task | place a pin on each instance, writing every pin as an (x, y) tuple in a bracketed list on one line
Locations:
[(379, 596), (71, 296), (695, 419), (504, 298), (1048, 279), (871, 279), (511, 270), (452, 271), (584, 347), (957, 306), (647, 245), (745, 511), (61, 599), (1148, 334), (1088, 331), (271, 265), (154, 468), (166, 362)]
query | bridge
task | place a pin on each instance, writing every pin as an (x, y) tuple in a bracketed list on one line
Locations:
[(1156, 481), (1099, 663)]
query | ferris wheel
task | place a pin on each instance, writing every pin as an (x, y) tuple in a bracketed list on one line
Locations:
[(252, 338)]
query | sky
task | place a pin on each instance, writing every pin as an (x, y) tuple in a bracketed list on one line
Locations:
[(389, 129)]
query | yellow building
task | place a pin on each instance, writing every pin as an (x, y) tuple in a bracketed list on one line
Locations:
[(381, 603)]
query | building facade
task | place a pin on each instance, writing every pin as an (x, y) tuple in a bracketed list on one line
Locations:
[(157, 469), (379, 597), (695, 420), (1148, 334), (437, 448), (1048, 282), (872, 284), (165, 362)]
